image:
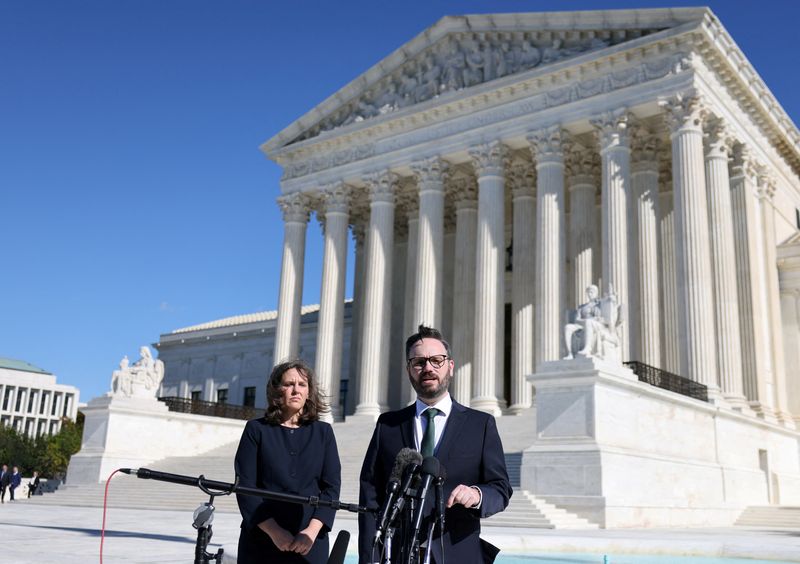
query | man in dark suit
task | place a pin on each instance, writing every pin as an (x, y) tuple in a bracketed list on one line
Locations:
[(5, 481), (465, 442)]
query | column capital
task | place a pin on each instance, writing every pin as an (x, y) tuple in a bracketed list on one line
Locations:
[(488, 158), (583, 166), (684, 112), (429, 173), (295, 207), (766, 184), (613, 129), (717, 140), (744, 163), (647, 146), (547, 145), (335, 197), (463, 188), (522, 177), (381, 186), (665, 173)]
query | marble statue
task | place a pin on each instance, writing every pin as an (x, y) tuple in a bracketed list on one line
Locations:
[(140, 380), (593, 329)]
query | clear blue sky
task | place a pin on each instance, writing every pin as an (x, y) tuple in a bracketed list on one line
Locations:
[(133, 195)]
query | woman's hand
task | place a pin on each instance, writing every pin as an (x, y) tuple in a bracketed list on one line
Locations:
[(305, 538), (282, 538)]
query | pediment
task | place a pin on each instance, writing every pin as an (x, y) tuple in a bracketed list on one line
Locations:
[(462, 52)]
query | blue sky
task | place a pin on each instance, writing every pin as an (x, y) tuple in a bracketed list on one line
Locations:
[(134, 197)]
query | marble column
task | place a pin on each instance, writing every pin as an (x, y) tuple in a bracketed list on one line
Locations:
[(430, 255), (550, 242), (377, 294), (287, 332), (670, 351), (582, 180), (766, 192), (644, 177), (330, 327), (723, 262), (615, 154), (523, 182), (756, 368), (490, 276), (465, 192), (411, 205), (696, 312), (359, 232)]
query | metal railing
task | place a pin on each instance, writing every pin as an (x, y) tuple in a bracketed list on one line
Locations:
[(214, 409), (668, 381)]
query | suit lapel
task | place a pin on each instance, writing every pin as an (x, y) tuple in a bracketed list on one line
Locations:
[(407, 426), (452, 432)]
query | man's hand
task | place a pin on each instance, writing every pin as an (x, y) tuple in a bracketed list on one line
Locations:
[(464, 495)]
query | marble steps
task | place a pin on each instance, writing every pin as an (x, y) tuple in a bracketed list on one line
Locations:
[(352, 438), (782, 516)]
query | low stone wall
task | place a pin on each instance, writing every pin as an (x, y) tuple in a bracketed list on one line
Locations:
[(131, 433), (626, 454)]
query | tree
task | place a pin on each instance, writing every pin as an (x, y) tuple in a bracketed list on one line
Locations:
[(47, 454)]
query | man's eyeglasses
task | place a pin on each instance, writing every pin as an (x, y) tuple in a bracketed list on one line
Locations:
[(419, 362)]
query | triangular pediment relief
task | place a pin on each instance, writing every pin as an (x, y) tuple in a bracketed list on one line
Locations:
[(462, 52)]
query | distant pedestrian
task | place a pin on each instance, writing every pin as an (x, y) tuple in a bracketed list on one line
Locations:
[(5, 481), (16, 480), (33, 485)]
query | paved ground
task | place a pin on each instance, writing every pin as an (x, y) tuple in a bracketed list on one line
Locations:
[(53, 533)]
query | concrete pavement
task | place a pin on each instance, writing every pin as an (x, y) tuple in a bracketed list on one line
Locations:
[(38, 533)]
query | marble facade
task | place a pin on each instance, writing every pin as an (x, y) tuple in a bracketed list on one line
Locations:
[(637, 148)]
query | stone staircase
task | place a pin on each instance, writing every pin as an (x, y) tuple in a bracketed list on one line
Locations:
[(782, 516), (352, 437)]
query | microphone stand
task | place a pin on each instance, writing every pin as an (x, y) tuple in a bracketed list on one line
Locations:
[(204, 515)]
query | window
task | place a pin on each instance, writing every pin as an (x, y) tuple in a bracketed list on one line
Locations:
[(43, 403), (67, 404), (222, 395), (6, 398), (196, 396), (20, 395), (31, 400), (54, 408), (249, 396)]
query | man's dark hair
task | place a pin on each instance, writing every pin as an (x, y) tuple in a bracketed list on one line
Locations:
[(427, 333)]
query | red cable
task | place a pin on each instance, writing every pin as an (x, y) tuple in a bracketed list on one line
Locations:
[(105, 503)]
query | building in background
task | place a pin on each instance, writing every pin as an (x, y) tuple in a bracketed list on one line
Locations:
[(229, 360), (31, 401)]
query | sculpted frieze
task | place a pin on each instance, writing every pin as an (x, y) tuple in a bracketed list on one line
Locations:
[(579, 90), (457, 62)]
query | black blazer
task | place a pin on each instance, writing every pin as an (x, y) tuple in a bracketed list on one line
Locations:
[(303, 461), (471, 453)]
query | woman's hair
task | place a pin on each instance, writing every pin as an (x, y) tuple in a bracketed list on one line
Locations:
[(315, 404)]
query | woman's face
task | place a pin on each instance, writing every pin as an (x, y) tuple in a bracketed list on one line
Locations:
[(294, 392)]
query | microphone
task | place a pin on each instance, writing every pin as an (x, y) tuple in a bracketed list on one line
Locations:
[(440, 495), (409, 473), (339, 550), (405, 457), (430, 471)]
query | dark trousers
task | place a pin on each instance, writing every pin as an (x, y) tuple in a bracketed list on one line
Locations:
[(3, 494)]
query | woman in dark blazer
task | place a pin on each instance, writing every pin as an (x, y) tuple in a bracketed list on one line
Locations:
[(289, 450)]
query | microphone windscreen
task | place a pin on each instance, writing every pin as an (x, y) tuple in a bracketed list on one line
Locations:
[(431, 466), (405, 457), (339, 550)]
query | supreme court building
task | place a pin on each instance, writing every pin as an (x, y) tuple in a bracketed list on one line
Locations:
[(492, 168)]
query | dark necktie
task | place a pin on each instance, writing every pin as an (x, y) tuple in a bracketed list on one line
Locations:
[(429, 438)]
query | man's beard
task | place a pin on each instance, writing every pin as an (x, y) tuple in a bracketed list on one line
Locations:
[(432, 393)]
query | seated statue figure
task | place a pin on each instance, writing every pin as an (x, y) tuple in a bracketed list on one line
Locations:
[(142, 379), (593, 327)]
